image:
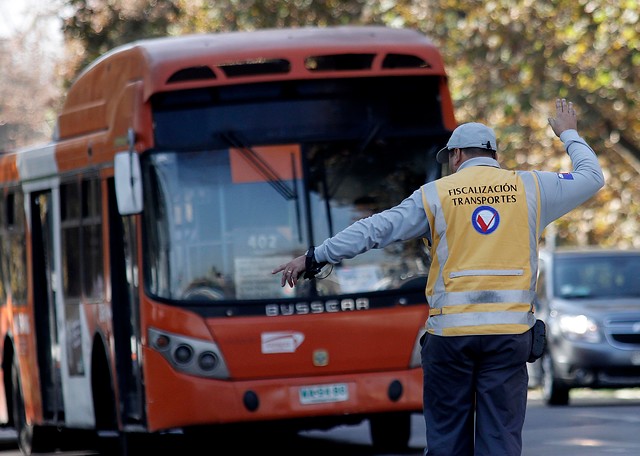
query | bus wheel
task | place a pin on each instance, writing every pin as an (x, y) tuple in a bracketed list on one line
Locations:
[(31, 439), (390, 431)]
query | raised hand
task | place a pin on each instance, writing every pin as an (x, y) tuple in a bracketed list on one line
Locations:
[(565, 119)]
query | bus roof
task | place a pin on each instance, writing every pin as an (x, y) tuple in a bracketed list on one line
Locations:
[(163, 56), (184, 62)]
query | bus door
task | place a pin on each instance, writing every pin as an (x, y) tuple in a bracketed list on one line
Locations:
[(62, 339), (44, 309), (125, 311)]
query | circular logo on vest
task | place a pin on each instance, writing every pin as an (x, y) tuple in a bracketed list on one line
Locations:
[(485, 219)]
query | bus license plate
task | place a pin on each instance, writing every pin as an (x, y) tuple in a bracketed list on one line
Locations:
[(318, 394)]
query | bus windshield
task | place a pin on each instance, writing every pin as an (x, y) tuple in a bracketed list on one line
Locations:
[(228, 198), (217, 224)]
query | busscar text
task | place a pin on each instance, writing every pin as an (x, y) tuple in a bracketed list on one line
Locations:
[(316, 307)]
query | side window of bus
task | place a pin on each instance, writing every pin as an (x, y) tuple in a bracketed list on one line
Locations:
[(81, 222), (13, 249), (93, 277)]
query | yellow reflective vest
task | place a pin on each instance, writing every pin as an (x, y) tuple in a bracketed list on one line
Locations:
[(484, 248)]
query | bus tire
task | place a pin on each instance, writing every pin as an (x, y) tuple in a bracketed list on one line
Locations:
[(31, 438), (390, 431)]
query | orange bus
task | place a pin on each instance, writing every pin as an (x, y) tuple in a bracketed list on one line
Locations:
[(137, 246)]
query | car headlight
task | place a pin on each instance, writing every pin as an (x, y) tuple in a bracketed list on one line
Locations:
[(579, 327)]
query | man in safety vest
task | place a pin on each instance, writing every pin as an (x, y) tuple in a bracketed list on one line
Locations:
[(483, 225)]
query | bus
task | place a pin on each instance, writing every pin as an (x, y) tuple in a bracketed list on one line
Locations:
[(136, 247)]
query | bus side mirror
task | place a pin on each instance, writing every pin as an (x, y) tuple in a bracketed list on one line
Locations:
[(128, 180)]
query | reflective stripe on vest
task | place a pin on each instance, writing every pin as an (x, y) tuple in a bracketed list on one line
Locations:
[(484, 251)]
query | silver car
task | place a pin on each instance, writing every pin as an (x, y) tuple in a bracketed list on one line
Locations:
[(590, 301)]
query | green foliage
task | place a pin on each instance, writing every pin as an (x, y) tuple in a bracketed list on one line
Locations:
[(93, 27), (509, 59), (257, 14)]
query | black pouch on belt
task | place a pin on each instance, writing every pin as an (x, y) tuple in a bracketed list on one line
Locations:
[(539, 340)]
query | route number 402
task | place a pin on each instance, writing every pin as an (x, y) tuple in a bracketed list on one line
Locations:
[(262, 241)]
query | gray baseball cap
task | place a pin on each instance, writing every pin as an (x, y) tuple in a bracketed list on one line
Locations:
[(472, 134)]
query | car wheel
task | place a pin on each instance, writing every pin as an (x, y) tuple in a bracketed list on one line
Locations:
[(554, 392)]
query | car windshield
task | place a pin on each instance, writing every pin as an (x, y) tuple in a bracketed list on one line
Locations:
[(597, 276)]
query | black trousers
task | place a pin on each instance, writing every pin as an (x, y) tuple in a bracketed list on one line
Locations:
[(475, 394)]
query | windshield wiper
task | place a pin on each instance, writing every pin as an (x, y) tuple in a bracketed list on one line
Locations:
[(262, 167), (270, 175), (577, 295)]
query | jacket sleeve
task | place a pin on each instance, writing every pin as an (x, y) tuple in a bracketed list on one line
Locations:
[(562, 192), (405, 221)]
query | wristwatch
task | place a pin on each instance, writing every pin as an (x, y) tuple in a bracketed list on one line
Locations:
[(311, 266)]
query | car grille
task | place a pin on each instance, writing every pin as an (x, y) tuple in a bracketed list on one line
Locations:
[(627, 338), (623, 332)]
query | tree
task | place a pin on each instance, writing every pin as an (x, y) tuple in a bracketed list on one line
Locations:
[(509, 59), (93, 27), (29, 85)]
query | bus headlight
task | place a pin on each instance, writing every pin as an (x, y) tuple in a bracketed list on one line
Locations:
[(188, 355), (208, 361), (183, 353)]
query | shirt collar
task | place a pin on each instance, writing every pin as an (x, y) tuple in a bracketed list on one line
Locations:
[(479, 161)]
